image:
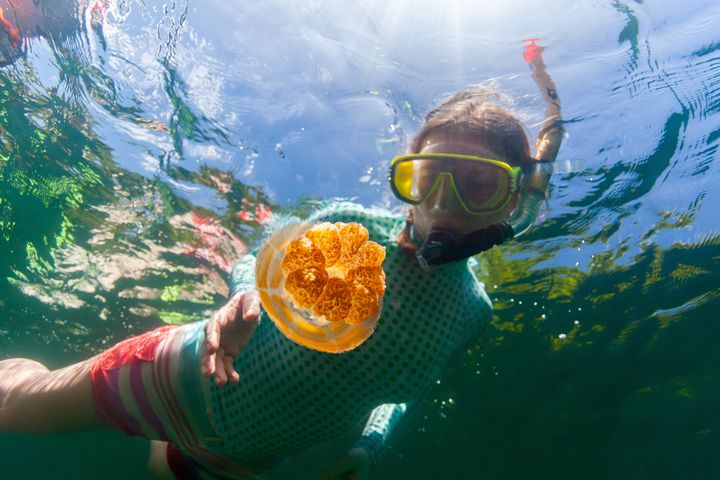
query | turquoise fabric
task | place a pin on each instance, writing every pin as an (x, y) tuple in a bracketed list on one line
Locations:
[(290, 397)]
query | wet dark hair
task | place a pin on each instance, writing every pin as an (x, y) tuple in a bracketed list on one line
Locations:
[(477, 114)]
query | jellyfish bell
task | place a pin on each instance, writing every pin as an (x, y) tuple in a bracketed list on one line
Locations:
[(322, 285)]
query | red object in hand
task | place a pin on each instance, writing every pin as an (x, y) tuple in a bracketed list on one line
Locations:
[(532, 50)]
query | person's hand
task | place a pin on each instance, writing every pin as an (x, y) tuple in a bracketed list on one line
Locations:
[(532, 51), (226, 334), (355, 465)]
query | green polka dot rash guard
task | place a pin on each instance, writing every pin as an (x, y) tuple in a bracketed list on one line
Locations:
[(290, 397)]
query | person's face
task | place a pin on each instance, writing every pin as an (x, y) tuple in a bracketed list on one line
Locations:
[(441, 210)]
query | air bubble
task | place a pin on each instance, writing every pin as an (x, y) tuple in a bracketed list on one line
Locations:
[(279, 150)]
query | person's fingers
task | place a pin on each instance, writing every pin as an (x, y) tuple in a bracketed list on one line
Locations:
[(212, 335), (220, 375), (207, 358), (230, 313), (210, 348), (230, 371), (234, 306), (208, 364), (250, 306)]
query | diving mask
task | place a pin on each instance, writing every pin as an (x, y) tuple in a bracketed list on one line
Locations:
[(481, 185), (414, 185)]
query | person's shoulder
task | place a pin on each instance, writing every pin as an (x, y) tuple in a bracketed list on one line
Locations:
[(379, 221), (352, 212)]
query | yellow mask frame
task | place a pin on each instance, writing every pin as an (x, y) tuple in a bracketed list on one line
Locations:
[(402, 178)]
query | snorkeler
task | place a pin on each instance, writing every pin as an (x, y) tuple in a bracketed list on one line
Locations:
[(471, 182)]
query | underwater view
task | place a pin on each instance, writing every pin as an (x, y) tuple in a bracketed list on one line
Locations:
[(145, 146)]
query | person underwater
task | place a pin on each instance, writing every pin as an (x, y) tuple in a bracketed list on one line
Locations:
[(471, 183)]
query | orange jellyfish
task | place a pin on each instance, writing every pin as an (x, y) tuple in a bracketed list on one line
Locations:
[(322, 285)]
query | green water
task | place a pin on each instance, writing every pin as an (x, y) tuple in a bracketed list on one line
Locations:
[(134, 172)]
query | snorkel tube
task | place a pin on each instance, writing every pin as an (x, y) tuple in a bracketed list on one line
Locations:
[(441, 247)]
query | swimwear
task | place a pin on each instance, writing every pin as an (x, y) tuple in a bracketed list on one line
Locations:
[(151, 386), (289, 397)]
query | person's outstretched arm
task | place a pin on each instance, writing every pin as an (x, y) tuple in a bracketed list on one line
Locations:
[(551, 133)]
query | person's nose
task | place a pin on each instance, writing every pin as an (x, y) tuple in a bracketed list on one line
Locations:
[(443, 199)]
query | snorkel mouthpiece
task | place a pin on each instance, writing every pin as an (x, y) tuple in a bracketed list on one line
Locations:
[(441, 247), (434, 250)]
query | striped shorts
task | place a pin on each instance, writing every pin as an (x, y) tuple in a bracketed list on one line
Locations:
[(151, 386)]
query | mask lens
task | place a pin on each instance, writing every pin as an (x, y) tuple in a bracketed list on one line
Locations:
[(482, 186), (414, 178)]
